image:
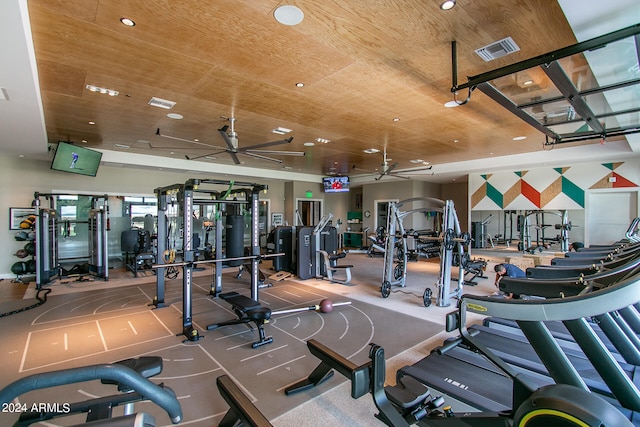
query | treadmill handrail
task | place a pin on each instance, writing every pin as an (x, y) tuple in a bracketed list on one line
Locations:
[(611, 298)]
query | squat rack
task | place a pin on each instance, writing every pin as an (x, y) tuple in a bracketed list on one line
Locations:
[(185, 196)]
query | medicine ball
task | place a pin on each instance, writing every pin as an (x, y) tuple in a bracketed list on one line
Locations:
[(21, 253), (30, 247), (28, 222), (21, 236), (31, 266), (19, 268)]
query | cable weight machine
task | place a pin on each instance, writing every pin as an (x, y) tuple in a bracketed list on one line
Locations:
[(47, 259), (449, 238)]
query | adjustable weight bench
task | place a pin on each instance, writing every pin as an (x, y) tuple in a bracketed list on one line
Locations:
[(248, 311), (331, 267)]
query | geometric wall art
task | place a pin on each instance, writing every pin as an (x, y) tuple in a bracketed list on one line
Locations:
[(548, 188)]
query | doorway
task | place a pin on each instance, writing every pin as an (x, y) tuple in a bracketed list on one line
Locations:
[(382, 212), (609, 215), (308, 212)]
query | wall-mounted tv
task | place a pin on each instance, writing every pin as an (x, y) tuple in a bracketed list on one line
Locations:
[(75, 159), (335, 184)]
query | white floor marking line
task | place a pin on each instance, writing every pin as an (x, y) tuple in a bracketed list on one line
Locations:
[(104, 341), (132, 328), (177, 377), (238, 383), (24, 353), (280, 365), (370, 336), (346, 326), (85, 393), (161, 322), (264, 353)]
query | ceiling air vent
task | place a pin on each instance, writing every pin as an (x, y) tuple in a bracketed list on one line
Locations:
[(498, 49), (162, 103)]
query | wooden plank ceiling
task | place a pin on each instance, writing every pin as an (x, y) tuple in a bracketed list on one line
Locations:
[(363, 63)]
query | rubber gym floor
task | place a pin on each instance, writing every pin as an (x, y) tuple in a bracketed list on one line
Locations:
[(80, 327)]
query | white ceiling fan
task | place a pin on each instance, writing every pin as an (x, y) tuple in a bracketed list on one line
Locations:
[(230, 137)]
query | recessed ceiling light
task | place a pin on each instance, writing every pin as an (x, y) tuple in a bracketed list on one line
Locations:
[(128, 22), (447, 5), (451, 104), (103, 90), (288, 15), (92, 123), (396, 119), (456, 140), (84, 140), (175, 116), (519, 138), (309, 144), (299, 84), (21, 155), (527, 82), (371, 150)]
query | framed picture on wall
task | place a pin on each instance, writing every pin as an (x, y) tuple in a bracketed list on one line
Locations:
[(17, 215), (277, 219)]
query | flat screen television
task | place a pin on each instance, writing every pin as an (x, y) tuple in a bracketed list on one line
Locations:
[(335, 184), (75, 159)]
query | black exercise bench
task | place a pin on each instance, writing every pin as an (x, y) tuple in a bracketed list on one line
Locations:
[(248, 311), (240, 407), (401, 405)]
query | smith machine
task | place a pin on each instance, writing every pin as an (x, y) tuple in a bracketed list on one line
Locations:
[(47, 255), (185, 197)]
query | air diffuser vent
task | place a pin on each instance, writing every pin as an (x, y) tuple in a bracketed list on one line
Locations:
[(162, 103), (498, 49)]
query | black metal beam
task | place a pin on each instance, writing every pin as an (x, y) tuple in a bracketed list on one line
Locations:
[(560, 79), (494, 94), (591, 44)]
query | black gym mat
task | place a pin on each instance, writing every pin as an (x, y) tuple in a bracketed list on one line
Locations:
[(107, 325)]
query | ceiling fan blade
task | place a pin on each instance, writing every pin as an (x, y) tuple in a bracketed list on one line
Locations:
[(428, 168), (181, 139), (258, 156), (266, 144), (354, 168), (398, 176), (205, 155), (392, 167), (276, 152), (227, 140)]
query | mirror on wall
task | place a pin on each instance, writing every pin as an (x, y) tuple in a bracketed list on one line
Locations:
[(526, 230)]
